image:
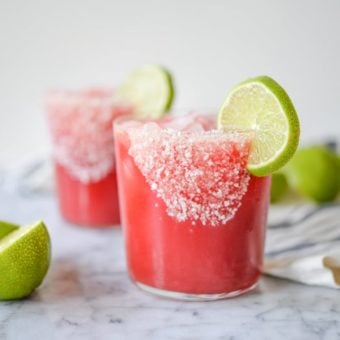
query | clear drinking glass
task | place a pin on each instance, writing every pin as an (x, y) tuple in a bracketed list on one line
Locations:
[(80, 123), (194, 219)]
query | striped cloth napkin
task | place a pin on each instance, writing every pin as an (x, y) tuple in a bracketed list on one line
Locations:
[(303, 243), (303, 240)]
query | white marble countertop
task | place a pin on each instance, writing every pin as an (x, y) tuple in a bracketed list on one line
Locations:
[(88, 295)]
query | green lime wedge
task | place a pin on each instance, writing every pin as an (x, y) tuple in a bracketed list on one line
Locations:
[(24, 260), (260, 105), (149, 89), (6, 228)]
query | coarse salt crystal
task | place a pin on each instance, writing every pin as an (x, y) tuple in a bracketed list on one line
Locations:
[(203, 177), (81, 128)]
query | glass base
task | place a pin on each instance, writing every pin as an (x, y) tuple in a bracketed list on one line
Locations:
[(79, 224), (193, 297)]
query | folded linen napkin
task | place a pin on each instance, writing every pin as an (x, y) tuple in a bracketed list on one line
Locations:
[(303, 243), (303, 240)]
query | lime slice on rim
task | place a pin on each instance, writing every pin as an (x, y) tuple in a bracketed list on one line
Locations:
[(149, 89), (24, 260), (262, 106), (6, 228)]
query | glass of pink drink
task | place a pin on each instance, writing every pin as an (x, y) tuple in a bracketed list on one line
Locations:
[(80, 123), (194, 219)]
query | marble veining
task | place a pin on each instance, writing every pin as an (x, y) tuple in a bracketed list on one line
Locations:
[(88, 295)]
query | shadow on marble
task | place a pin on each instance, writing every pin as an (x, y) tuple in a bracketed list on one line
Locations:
[(62, 281), (69, 279)]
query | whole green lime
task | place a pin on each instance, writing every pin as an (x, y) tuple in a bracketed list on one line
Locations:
[(314, 173), (337, 159), (279, 187)]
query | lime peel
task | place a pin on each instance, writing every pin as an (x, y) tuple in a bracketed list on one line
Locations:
[(313, 172), (24, 260)]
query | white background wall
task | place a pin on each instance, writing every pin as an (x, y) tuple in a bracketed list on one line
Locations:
[(209, 46)]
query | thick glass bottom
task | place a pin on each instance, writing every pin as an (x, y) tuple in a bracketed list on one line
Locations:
[(193, 297), (78, 224)]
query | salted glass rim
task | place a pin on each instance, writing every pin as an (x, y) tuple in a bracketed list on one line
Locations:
[(117, 123), (85, 95), (173, 114)]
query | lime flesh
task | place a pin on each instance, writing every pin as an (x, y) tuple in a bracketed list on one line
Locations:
[(261, 106), (150, 90), (24, 260), (6, 228)]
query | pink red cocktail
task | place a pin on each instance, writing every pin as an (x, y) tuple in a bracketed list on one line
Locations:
[(81, 127), (194, 218)]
